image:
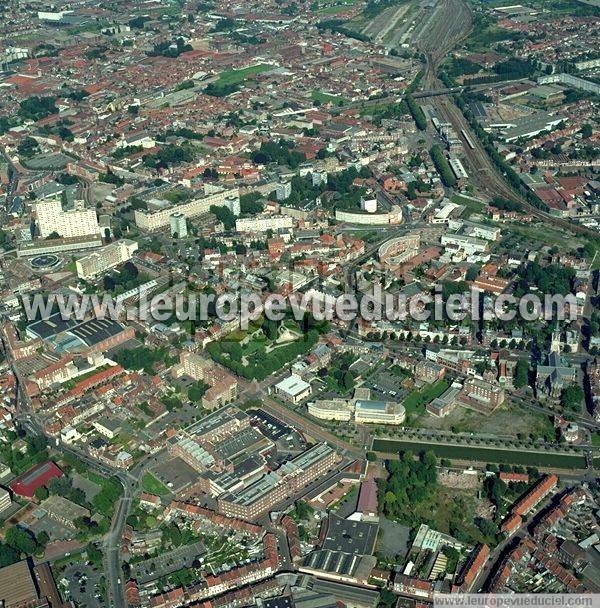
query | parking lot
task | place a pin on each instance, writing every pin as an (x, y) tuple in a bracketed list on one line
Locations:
[(175, 474), (289, 442), (88, 487), (83, 585), (162, 565), (386, 386)]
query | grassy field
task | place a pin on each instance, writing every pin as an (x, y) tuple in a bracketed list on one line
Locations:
[(417, 400), (333, 9), (482, 454), (470, 205), (153, 486), (326, 98), (236, 76), (543, 234)]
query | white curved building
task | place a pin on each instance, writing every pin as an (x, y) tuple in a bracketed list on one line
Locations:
[(332, 409), (399, 250), (362, 411), (373, 219)]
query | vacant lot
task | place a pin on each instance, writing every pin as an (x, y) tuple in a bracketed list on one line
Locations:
[(153, 486), (507, 421)]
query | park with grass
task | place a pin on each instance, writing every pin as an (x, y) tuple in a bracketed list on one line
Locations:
[(230, 81), (471, 205), (265, 347), (239, 76)]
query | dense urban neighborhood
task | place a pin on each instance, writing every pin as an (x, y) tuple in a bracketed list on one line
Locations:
[(299, 302)]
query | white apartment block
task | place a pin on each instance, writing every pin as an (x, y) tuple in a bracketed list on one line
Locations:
[(263, 223), (178, 225), (160, 218), (75, 222), (105, 258), (283, 190), (391, 217), (5, 500), (474, 229)]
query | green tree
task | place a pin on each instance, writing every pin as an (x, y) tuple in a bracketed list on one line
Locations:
[(42, 539), (250, 203), (94, 554), (496, 489), (417, 113), (586, 131), (472, 273), (27, 147), (60, 485), (571, 398), (348, 380), (22, 540), (196, 391), (35, 108), (521, 373), (441, 164), (488, 528), (270, 327), (8, 555), (224, 215), (302, 510), (105, 500), (41, 493)]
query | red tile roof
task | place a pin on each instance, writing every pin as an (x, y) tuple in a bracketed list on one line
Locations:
[(38, 476)]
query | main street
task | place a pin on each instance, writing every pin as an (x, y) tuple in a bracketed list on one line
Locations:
[(29, 419)]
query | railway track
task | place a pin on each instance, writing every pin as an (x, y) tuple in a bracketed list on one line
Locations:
[(456, 17)]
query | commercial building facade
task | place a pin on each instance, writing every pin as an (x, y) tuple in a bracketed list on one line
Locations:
[(5, 500), (272, 488), (373, 219), (43, 247), (293, 389), (160, 218)]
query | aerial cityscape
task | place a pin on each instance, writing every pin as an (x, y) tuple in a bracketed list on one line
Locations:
[(299, 302)]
